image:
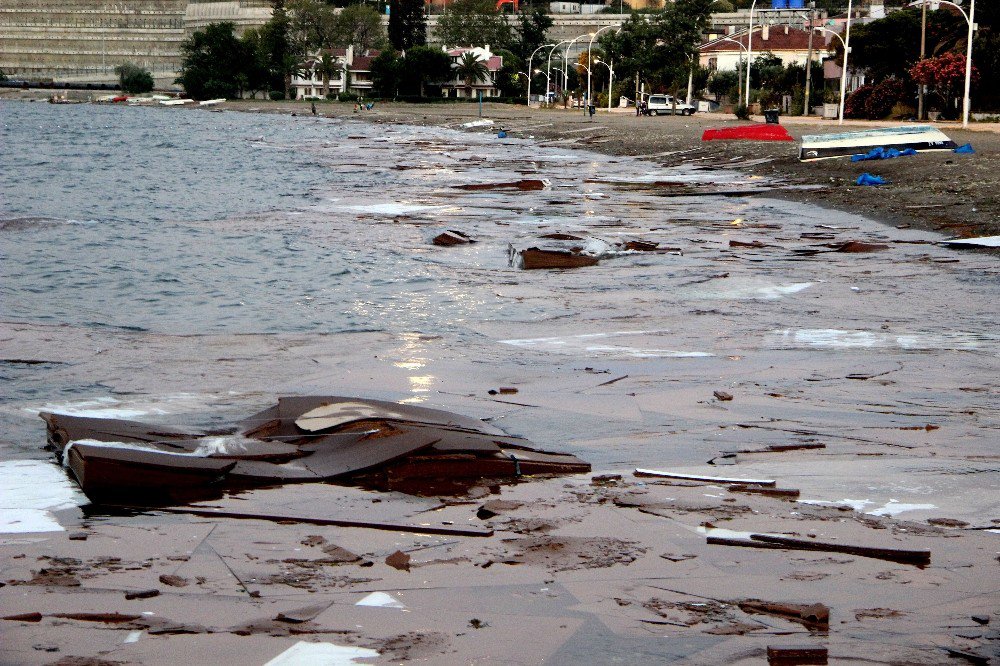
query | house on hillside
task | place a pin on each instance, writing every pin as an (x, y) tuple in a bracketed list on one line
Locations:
[(351, 73), (457, 87)]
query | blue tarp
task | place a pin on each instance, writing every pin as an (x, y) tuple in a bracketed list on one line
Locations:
[(882, 154), (868, 179), (965, 150)]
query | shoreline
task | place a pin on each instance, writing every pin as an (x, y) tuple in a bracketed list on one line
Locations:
[(915, 198), (766, 369)]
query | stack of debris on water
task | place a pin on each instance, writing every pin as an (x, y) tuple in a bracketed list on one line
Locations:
[(344, 440)]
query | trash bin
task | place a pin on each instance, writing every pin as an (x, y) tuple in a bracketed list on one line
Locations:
[(771, 116), (592, 109)]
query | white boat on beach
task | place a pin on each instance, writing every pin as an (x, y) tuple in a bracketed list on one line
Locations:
[(212, 102), (917, 137), (175, 102)]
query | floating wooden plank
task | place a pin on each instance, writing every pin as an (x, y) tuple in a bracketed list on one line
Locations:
[(103, 471), (811, 615), (903, 556), (763, 490), (534, 258), (705, 479), (333, 522), (918, 137), (789, 655)]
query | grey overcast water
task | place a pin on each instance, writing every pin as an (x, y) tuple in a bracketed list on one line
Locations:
[(176, 264)]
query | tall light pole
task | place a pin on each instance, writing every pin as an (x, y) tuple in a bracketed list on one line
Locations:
[(530, 70), (970, 18), (548, 72), (611, 79), (746, 95), (843, 72), (847, 51), (566, 58), (593, 36)]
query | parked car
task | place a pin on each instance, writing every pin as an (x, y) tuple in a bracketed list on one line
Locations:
[(664, 104)]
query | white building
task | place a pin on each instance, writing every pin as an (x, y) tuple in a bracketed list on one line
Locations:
[(351, 73), (458, 88)]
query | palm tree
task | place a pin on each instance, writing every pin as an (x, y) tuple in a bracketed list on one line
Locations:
[(471, 69), (327, 66)]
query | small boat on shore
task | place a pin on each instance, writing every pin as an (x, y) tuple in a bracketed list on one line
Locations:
[(917, 137)]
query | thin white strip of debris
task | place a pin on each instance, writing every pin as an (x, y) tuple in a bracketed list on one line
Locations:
[(981, 241), (707, 479), (327, 654)]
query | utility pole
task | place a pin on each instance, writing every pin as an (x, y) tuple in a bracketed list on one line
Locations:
[(923, 49), (809, 59)]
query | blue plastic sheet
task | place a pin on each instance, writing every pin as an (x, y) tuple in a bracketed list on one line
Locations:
[(868, 179), (502, 134), (965, 150), (881, 153)]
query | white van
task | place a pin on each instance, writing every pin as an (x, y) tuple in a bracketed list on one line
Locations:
[(664, 104)]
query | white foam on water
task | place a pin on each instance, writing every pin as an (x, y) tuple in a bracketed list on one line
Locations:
[(29, 491), (107, 407), (393, 208), (321, 654), (893, 508), (829, 338), (857, 505), (587, 343), (382, 600), (750, 291)]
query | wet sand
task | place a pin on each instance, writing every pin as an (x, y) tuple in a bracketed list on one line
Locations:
[(854, 379)]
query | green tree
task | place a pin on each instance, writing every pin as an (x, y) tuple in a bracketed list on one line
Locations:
[(407, 25), (360, 26), (509, 80), (312, 25), (474, 23), (532, 30), (387, 72), (327, 66), (134, 79), (724, 84), (888, 47), (659, 48), (471, 70), (422, 65), (254, 76), (278, 51), (212, 61)]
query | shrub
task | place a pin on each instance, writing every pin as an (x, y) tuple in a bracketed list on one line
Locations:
[(346, 97), (133, 79), (742, 112), (276, 95), (882, 98), (854, 107)]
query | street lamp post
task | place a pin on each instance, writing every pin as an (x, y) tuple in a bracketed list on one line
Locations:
[(530, 70), (593, 36), (611, 79), (843, 72), (566, 57), (548, 71), (746, 95), (847, 51), (970, 18)]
